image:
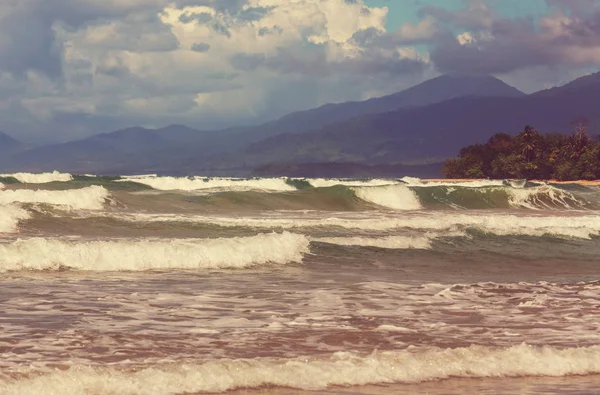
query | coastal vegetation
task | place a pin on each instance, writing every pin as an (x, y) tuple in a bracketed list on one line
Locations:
[(530, 155)]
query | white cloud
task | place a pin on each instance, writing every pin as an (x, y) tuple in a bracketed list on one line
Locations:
[(212, 63)]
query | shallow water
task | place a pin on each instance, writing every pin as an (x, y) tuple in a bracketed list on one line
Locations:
[(247, 287)]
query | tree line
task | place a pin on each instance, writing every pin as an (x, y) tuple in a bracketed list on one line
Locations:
[(530, 155)]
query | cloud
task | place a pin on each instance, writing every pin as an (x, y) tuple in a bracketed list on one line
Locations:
[(208, 63), (70, 68), (568, 36), (200, 47)]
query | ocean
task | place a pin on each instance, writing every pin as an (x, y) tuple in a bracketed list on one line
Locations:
[(162, 285)]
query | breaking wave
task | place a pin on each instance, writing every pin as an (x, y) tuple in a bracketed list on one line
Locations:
[(200, 183), (89, 198), (139, 255), (397, 197), (393, 194), (330, 182), (317, 373), (10, 215), (543, 197), (41, 178), (582, 227), (417, 182)]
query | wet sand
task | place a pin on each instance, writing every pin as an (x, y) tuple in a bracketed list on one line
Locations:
[(580, 385)]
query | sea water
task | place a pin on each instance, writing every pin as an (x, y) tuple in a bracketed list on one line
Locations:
[(163, 285)]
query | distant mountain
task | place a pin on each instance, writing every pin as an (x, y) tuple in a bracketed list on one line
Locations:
[(9, 145), (581, 82), (422, 134), (180, 149), (427, 123), (432, 91), (134, 148)]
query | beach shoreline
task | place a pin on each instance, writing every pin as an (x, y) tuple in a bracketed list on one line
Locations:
[(460, 180)]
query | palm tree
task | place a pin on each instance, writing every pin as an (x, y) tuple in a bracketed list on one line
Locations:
[(528, 140)]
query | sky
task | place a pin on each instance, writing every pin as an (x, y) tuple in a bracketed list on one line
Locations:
[(73, 68)]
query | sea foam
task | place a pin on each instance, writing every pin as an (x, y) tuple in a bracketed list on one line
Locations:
[(89, 198), (397, 197), (10, 215), (200, 183), (543, 197), (139, 255), (581, 226), (329, 182), (417, 182), (41, 178), (316, 373)]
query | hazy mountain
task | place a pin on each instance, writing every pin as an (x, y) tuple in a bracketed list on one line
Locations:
[(581, 82), (175, 147), (135, 148), (436, 90), (423, 134), (414, 132), (9, 145)]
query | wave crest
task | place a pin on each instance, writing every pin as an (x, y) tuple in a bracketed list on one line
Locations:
[(39, 178), (89, 198), (200, 183), (139, 255), (339, 369), (10, 215), (396, 197)]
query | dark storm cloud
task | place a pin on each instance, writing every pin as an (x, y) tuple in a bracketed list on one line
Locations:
[(200, 47), (27, 43), (201, 18), (507, 45), (28, 38), (313, 61), (254, 13), (265, 31)]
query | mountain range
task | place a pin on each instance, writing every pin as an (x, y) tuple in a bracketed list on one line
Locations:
[(422, 125)]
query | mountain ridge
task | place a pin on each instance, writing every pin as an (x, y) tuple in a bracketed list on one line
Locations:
[(429, 132), (9, 144)]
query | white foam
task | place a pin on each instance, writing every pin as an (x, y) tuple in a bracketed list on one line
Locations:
[(10, 215), (543, 197), (139, 176), (397, 197), (89, 198), (329, 182), (315, 373), (580, 226), (417, 182), (136, 255), (389, 242), (200, 183), (41, 178)]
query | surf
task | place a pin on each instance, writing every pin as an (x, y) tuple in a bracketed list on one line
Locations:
[(88, 198), (151, 254), (10, 216), (39, 178), (580, 226), (316, 372)]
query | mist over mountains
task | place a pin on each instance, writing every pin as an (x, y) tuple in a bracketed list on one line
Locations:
[(420, 126)]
